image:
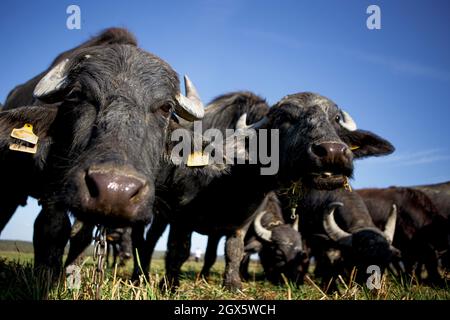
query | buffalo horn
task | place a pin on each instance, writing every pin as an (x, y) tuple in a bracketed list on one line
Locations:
[(329, 224), (54, 80), (389, 229), (262, 232), (189, 107), (347, 122)]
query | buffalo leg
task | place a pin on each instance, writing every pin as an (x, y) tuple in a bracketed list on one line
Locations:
[(137, 241), (125, 247), (234, 252), (79, 242), (147, 246), (430, 260), (178, 251), (243, 269), (51, 234), (210, 255)]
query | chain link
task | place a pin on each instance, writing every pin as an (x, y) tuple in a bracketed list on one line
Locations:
[(100, 248), (347, 185), (294, 193)]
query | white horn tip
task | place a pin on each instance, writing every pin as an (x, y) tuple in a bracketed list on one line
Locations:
[(242, 122), (52, 81)]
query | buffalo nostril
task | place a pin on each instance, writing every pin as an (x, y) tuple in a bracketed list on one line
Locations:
[(91, 186), (113, 186), (136, 192), (330, 150), (319, 150)]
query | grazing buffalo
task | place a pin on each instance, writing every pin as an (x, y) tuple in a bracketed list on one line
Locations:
[(439, 194), (420, 233), (102, 118), (279, 245), (317, 144), (340, 233), (119, 244), (222, 114)]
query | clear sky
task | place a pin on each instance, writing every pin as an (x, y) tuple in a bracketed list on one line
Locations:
[(393, 81)]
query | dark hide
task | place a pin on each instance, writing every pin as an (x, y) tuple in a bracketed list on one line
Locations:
[(119, 244), (283, 254), (420, 231), (439, 194), (22, 95), (365, 246), (111, 125), (22, 173), (180, 203), (304, 121)]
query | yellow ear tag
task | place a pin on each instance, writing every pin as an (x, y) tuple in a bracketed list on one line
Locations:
[(197, 159), (354, 148), (25, 134)]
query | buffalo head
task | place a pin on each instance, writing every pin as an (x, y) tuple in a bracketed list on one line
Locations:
[(282, 251), (103, 130), (363, 246), (319, 140)]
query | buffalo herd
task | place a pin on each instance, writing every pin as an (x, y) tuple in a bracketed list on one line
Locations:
[(92, 137)]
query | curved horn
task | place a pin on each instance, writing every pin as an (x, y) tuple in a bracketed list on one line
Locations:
[(241, 124), (347, 122), (189, 107), (54, 80), (260, 230), (389, 229), (330, 225), (295, 223)]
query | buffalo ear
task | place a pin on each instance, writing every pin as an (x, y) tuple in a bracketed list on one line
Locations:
[(40, 117), (366, 144)]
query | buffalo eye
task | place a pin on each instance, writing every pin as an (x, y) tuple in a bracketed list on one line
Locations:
[(166, 108), (73, 96), (338, 118)]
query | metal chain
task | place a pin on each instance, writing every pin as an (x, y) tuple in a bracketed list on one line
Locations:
[(294, 193), (347, 185), (100, 248)]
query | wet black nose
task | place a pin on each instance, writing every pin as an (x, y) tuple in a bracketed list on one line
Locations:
[(114, 191), (331, 152)]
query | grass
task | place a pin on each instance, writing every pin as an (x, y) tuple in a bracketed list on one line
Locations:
[(18, 280)]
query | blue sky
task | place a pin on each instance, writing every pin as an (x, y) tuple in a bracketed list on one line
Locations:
[(394, 81)]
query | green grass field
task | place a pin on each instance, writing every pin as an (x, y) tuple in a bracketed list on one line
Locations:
[(18, 280)]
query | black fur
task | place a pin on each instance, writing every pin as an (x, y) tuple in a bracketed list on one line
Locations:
[(366, 246), (421, 231), (303, 119), (115, 110)]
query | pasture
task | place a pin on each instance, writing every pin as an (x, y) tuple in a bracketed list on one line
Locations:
[(19, 281)]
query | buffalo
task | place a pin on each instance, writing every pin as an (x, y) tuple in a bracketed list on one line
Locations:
[(339, 232), (119, 244), (278, 244), (421, 232), (317, 144), (102, 114), (439, 194)]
